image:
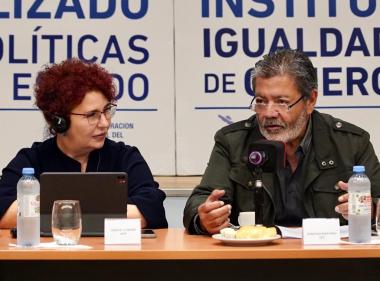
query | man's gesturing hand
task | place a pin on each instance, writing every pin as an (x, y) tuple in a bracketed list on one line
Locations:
[(213, 213)]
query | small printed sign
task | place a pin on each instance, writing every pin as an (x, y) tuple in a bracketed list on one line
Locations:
[(122, 231), (321, 231)]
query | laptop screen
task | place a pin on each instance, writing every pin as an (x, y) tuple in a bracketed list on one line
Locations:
[(101, 195)]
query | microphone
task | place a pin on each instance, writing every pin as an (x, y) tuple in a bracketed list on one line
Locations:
[(257, 158), (267, 156), (264, 156)]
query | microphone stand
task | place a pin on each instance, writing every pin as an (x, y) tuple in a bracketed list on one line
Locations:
[(258, 196)]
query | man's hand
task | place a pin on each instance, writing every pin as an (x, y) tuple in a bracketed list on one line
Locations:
[(213, 214), (342, 207)]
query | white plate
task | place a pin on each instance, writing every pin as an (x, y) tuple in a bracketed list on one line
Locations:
[(233, 241)]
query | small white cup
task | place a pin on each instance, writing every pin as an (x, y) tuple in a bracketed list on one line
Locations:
[(246, 218)]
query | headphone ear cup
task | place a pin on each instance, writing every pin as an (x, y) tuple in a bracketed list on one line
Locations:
[(59, 124)]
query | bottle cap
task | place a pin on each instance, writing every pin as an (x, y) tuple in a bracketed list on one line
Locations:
[(28, 171), (358, 169)]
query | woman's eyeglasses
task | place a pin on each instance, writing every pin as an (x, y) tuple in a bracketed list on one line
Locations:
[(93, 117)]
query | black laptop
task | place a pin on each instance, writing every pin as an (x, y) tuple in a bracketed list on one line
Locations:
[(101, 195)]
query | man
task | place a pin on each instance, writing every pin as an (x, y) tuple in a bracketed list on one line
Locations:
[(320, 152)]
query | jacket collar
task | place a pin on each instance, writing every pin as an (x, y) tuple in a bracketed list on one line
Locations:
[(321, 155), (324, 151)]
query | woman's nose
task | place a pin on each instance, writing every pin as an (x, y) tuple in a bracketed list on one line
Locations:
[(104, 122)]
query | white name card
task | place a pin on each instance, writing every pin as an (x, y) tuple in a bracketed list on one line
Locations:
[(320, 231), (122, 231)]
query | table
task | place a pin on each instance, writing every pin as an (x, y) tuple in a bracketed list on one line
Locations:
[(175, 255)]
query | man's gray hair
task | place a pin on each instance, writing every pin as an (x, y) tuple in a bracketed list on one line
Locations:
[(294, 63)]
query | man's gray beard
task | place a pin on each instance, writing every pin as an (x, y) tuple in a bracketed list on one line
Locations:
[(289, 133)]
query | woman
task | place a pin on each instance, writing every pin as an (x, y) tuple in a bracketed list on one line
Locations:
[(77, 101)]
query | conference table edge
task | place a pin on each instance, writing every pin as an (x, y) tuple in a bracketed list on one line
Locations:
[(237, 254), (176, 244)]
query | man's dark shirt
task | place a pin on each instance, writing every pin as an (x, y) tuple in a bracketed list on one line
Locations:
[(291, 207)]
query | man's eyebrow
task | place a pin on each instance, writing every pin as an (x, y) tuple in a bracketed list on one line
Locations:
[(282, 97), (271, 96)]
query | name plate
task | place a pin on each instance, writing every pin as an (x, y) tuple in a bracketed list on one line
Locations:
[(320, 231), (122, 231)]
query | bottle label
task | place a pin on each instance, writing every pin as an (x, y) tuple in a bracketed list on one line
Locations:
[(359, 203), (30, 206)]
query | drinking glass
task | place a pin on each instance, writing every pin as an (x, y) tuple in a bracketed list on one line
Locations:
[(66, 222), (378, 217)]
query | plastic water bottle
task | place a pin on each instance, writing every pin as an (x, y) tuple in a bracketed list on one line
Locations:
[(28, 209), (359, 206)]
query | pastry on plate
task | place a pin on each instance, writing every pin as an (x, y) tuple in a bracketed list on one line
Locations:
[(255, 232)]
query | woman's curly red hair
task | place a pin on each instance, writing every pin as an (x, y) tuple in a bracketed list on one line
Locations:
[(61, 87)]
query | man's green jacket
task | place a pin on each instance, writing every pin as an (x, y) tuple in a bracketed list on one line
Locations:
[(336, 146)]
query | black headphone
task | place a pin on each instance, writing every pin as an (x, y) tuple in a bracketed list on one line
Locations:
[(59, 124)]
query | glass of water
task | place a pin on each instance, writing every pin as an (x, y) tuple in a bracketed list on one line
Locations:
[(66, 222)]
